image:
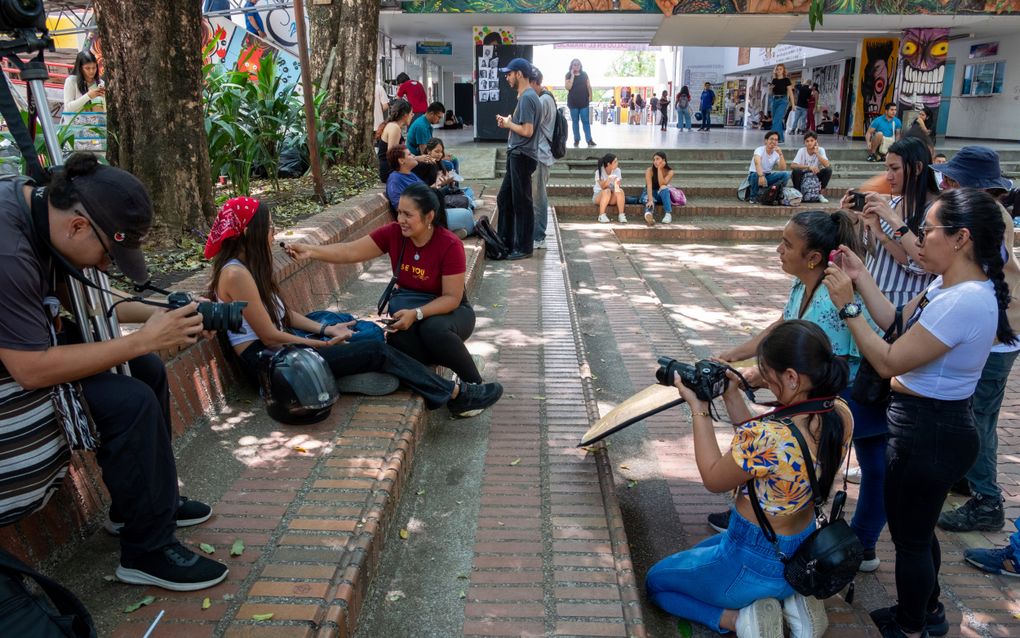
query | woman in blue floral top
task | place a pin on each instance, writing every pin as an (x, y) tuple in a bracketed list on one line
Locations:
[(734, 581)]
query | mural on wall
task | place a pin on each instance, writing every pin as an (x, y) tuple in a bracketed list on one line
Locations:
[(828, 79), (921, 71), (237, 49), (675, 7), (875, 81), (492, 35)]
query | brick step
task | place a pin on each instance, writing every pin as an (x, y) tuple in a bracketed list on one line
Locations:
[(714, 153), (584, 209), (735, 174), (721, 191), (692, 167)]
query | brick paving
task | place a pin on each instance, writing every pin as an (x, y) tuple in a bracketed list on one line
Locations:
[(698, 299)]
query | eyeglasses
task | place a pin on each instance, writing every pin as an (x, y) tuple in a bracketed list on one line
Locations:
[(95, 231), (925, 229)]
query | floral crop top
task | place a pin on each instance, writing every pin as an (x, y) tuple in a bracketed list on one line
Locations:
[(768, 451)]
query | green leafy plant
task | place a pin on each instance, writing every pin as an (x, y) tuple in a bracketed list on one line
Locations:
[(65, 139)]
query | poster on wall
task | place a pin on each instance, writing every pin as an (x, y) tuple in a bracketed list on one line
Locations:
[(875, 83), (985, 50), (828, 79), (492, 35), (922, 69)]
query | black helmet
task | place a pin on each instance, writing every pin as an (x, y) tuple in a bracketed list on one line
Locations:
[(296, 384)]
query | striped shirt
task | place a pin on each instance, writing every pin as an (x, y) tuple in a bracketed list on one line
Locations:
[(898, 282)]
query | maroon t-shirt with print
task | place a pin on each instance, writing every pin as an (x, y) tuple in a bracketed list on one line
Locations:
[(423, 268)]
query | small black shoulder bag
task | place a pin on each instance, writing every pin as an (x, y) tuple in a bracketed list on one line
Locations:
[(828, 559)]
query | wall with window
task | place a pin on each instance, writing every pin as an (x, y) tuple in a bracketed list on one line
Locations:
[(991, 115)]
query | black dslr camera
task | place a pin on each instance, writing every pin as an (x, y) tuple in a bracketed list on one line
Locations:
[(706, 378), (215, 316), (22, 14)]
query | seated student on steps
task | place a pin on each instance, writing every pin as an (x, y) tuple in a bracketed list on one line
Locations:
[(762, 172), (607, 189)]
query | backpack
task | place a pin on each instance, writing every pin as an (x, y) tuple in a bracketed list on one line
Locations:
[(773, 196), (683, 102), (494, 247), (810, 187), (558, 141), (792, 196), (25, 614)]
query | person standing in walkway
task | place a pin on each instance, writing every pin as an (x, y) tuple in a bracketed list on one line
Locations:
[(812, 105), (782, 96), (707, 101), (546, 124), (800, 112), (664, 110), (514, 203), (683, 108), (414, 93), (253, 19), (978, 167), (579, 101)]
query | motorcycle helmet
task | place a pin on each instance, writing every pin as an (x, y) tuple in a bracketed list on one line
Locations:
[(296, 384)]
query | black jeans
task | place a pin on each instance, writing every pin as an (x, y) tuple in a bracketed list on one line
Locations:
[(374, 356), (516, 225), (932, 444), (824, 175), (132, 415), (439, 340)]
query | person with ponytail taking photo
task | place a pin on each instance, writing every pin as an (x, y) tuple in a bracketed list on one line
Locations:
[(735, 581), (934, 368)]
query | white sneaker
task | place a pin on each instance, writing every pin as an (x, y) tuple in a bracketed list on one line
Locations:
[(540, 244), (761, 619), (854, 475), (870, 563), (621, 218), (649, 218), (603, 219), (667, 219), (822, 199), (805, 617)]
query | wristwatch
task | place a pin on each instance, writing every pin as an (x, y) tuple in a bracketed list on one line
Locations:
[(850, 311), (419, 314), (901, 231)]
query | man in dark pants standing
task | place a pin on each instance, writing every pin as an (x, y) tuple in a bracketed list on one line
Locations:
[(514, 201), (93, 216)]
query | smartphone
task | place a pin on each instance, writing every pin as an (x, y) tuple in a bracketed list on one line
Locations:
[(860, 199), (836, 257), (387, 321)]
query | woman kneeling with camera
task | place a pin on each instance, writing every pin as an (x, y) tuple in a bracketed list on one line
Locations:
[(734, 581)]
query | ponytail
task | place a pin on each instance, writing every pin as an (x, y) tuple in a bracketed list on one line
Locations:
[(826, 232), (604, 161)]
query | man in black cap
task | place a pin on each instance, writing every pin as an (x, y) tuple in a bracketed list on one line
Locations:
[(978, 167), (92, 216), (514, 201)]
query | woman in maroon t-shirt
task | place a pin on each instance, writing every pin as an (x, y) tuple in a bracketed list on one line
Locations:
[(432, 317)]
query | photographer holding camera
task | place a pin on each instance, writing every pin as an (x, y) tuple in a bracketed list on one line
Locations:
[(734, 581), (55, 392)]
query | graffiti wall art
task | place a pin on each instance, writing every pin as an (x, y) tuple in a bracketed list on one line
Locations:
[(875, 80), (238, 50), (922, 70), (828, 79), (680, 7)]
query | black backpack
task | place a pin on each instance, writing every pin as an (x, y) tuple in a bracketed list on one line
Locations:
[(26, 615), (558, 142), (494, 246), (773, 196)]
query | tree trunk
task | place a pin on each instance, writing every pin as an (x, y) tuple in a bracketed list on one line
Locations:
[(343, 40), (152, 52)]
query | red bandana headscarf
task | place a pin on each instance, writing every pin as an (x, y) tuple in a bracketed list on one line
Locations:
[(231, 221)]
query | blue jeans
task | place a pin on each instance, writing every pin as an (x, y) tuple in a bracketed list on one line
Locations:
[(585, 116), (799, 117), (539, 180), (1014, 540), (730, 570), (775, 177), (660, 197), (682, 116), (363, 330), (460, 219), (987, 400), (870, 437), (779, 106), (706, 118)]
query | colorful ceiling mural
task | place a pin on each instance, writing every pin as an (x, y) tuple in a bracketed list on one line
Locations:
[(673, 7)]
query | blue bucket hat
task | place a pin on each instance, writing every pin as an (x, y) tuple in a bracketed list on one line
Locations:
[(518, 64), (974, 167)]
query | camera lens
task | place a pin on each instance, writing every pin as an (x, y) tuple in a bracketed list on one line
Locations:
[(222, 316)]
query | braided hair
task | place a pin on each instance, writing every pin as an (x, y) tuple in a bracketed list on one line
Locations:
[(978, 212)]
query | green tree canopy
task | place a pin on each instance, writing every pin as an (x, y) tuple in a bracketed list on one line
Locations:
[(634, 64)]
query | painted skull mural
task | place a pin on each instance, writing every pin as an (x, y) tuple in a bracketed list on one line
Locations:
[(922, 68), (878, 66)]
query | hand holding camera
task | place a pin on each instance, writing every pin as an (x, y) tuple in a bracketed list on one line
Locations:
[(706, 379), (168, 329)]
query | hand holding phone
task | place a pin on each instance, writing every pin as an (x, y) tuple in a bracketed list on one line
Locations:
[(836, 257), (387, 321), (860, 199)]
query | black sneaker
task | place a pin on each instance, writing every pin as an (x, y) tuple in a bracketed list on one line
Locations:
[(935, 621), (473, 398), (981, 513), (719, 521), (173, 567), (189, 513), (871, 157)]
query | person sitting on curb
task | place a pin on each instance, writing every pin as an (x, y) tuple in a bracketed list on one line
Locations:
[(811, 158), (978, 167), (420, 131), (460, 221), (762, 174), (240, 245), (883, 131), (607, 188), (657, 179), (92, 215)]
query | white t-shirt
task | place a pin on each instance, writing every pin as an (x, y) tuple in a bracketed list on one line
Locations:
[(599, 176), (804, 159), (767, 160), (379, 113), (965, 318)]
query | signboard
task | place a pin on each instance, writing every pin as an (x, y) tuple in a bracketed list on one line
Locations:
[(433, 47)]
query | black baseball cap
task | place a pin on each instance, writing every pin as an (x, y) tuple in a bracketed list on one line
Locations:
[(120, 205)]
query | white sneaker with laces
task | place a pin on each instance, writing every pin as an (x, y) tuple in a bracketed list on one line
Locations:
[(822, 199), (761, 619), (667, 219), (649, 218), (854, 475), (603, 218), (540, 244), (622, 218), (805, 616)]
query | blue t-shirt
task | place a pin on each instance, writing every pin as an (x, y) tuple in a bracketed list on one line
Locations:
[(887, 127), (397, 183), (254, 15), (707, 99), (419, 134)]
